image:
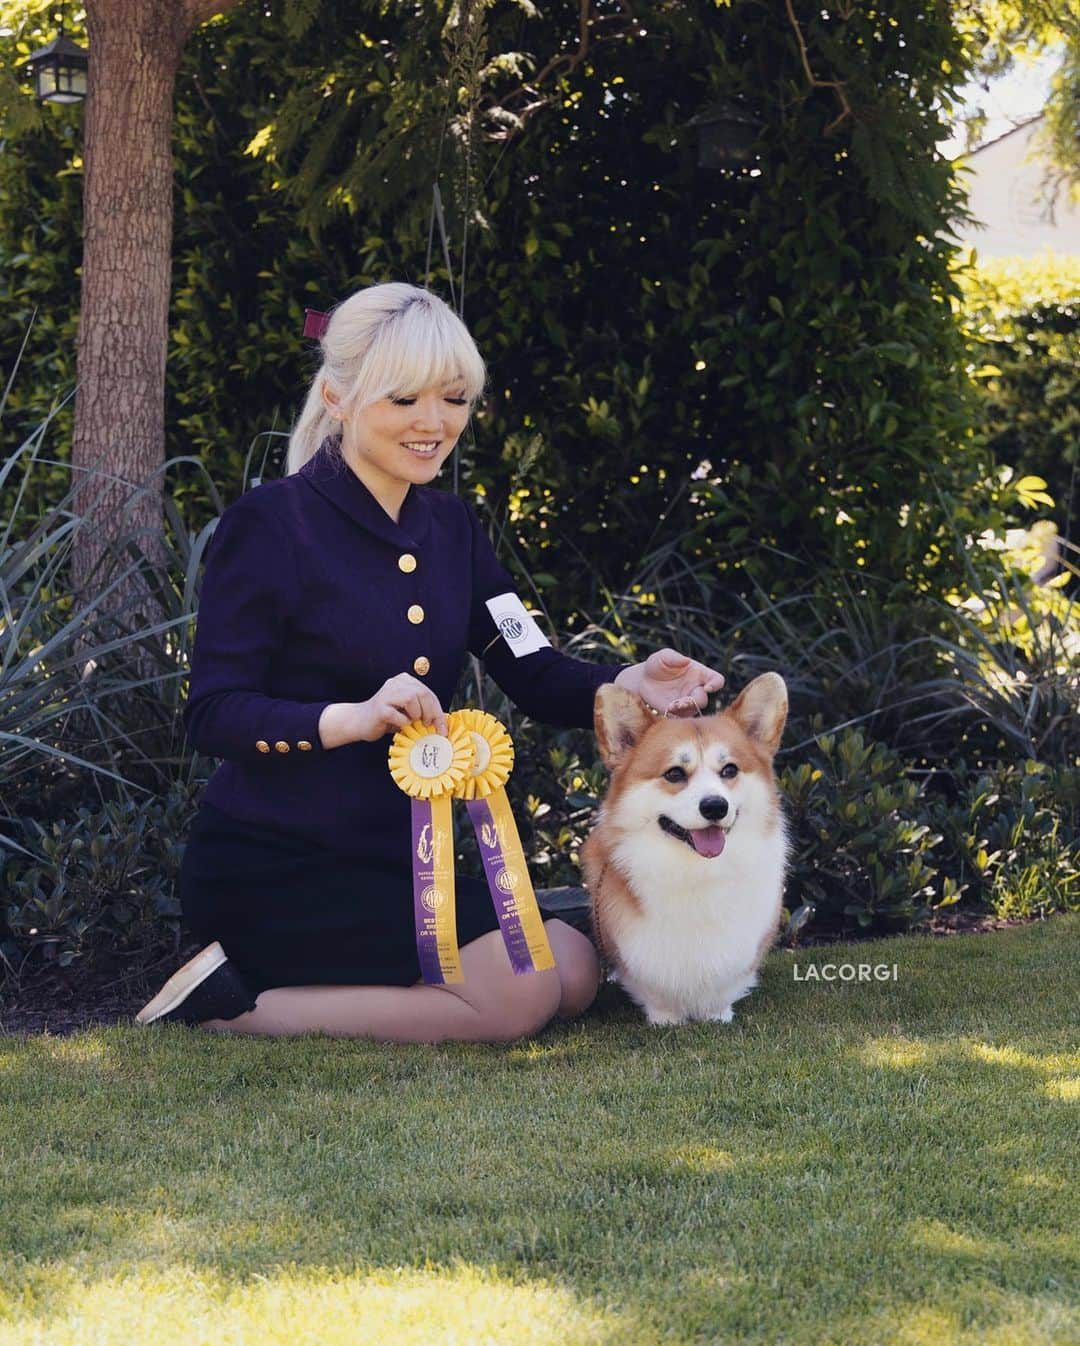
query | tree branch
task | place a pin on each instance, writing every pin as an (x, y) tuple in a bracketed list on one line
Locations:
[(530, 97), (816, 83), (198, 11)]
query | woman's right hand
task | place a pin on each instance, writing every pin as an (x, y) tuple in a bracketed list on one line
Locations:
[(400, 700)]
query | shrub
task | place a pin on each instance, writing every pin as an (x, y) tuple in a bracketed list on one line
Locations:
[(1023, 317), (88, 694), (862, 847), (1012, 836), (99, 882)]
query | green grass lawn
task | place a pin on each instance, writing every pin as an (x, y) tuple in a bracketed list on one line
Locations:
[(875, 1163)]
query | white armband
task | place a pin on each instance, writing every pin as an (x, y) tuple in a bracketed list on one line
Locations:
[(516, 627)]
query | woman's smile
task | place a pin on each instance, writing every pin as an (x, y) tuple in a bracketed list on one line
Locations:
[(397, 442)]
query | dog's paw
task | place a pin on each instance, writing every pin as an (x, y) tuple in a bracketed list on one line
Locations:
[(723, 1016), (659, 1018)]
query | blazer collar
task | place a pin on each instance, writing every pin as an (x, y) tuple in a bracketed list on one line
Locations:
[(332, 477)]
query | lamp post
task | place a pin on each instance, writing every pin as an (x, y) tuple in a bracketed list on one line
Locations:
[(725, 135), (59, 70)]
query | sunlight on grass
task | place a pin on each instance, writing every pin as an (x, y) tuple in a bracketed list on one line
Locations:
[(938, 1237), (899, 1053), (702, 1158), (80, 1050), (179, 1306), (547, 1051), (1067, 1089), (906, 1053), (1017, 1321), (1043, 1181), (1009, 1056)]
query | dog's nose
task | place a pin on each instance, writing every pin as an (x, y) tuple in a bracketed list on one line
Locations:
[(714, 807)]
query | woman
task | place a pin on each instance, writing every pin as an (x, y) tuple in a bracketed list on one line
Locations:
[(338, 604)]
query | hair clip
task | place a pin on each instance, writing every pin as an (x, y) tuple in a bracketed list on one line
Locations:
[(315, 323)]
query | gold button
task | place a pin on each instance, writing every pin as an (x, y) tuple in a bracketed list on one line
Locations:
[(407, 562), (262, 745), (304, 745), (281, 745), (415, 614), (421, 666)]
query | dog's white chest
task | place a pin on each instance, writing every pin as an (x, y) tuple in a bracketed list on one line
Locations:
[(694, 947)]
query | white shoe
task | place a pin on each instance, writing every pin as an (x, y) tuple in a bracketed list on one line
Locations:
[(208, 986)]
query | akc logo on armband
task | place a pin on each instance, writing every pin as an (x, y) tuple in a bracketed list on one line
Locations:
[(517, 628)]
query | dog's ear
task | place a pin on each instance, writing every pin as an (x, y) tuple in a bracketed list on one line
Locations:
[(761, 708), (620, 719)]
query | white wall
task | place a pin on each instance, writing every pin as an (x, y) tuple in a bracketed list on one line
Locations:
[(1004, 187)]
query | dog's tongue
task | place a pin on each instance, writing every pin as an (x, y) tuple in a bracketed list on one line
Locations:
[(708, 841)]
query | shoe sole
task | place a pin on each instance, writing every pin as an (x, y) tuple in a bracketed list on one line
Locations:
[(182, 982)]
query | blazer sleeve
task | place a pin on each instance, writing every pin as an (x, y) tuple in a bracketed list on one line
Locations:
[(546, 684), (246, 596)]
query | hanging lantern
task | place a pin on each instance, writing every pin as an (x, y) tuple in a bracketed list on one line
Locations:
[(725, 135), (59, 71)]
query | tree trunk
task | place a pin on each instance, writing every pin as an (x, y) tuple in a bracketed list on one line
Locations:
[(119, 442), (119, 438)]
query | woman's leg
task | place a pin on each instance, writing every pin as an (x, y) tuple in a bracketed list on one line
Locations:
[(490, 1005), (579, 968)]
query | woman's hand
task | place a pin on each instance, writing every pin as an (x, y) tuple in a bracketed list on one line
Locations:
[(672, 683), (399, 701)]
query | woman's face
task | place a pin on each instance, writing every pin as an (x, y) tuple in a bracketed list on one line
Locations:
[(405, 441)]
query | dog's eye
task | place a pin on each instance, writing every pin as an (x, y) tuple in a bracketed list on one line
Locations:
[(729, 772), (675, 775)]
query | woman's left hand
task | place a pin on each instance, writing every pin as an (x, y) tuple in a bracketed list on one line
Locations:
[(672, 683)]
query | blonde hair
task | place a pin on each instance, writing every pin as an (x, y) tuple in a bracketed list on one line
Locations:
[(389, 340)]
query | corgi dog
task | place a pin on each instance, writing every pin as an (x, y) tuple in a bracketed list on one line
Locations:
[(685, 868)]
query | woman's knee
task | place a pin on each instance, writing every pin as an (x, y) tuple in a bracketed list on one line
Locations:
[(529, 1003), (579, 967), (510, 1006)]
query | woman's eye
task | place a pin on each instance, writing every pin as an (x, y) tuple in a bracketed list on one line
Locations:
[(675, 774), (729, 772), (411, 401)]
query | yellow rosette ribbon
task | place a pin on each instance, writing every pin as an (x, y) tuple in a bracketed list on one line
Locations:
[(505, 869), (430, 767)]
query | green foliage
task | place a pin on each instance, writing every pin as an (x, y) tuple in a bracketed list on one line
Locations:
[(862, 853), (1013, 836), (1023, 316), (763, 355), (102, 880), (76, 713), (1013, 654)]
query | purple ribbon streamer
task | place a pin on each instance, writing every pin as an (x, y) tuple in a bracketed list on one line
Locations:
[(509, 922), (427, 946)]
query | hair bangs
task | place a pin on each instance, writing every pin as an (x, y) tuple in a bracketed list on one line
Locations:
[(424, 345)]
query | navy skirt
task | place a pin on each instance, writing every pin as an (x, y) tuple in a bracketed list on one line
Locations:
[(288, 914)]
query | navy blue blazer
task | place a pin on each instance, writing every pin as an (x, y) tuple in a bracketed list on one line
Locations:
[(311, 595)]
